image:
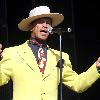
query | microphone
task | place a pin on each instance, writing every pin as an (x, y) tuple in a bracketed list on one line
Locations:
[(52, 30)]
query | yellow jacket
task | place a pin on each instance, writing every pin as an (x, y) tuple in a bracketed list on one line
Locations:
[(20, 65)]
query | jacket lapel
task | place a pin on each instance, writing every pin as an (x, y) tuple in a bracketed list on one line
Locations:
[(28, 57), (52, 60)]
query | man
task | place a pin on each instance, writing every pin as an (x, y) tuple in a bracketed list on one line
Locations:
[(32, 65)]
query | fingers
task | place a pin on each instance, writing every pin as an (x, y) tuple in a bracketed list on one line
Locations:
[(98, 62), (0, 51), (0, 48)]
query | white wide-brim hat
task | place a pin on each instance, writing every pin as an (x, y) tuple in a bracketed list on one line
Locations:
[(37, 13)]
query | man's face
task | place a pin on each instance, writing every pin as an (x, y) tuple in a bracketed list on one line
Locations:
[(40, 28)]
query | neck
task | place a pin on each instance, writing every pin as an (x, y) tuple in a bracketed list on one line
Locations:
[(38, 40)]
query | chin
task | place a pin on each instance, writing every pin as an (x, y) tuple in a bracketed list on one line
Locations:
[(42, 38)]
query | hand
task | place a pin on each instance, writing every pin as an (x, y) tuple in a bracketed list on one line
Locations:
[(98, 63), (1, 56)]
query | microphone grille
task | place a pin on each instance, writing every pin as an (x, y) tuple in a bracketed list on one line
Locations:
[(50, 29)]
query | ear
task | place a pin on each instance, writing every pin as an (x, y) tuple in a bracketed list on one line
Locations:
[(30, 28)]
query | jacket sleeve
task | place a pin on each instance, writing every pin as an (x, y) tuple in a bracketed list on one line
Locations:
[(78, 82), (5, 67)]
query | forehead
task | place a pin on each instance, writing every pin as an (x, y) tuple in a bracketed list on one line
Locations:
[(44, 19)]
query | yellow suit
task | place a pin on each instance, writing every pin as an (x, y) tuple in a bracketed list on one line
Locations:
[(20, 65)]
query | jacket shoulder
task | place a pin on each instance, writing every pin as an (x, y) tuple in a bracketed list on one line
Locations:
[(12, 51), (58, 52)]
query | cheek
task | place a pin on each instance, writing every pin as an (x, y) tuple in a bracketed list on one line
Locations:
[(35, 31)]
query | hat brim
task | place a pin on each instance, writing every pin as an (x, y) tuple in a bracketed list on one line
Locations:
[(57, 18)]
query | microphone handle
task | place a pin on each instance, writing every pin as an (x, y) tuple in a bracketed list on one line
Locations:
[(60, 30)]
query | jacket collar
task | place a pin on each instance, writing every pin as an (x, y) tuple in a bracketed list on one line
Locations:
[(28, 57)]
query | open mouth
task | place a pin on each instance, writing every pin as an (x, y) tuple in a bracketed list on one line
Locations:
[(44, 31)]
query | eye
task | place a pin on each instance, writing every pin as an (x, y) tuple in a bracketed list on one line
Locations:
[(48, 22)]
